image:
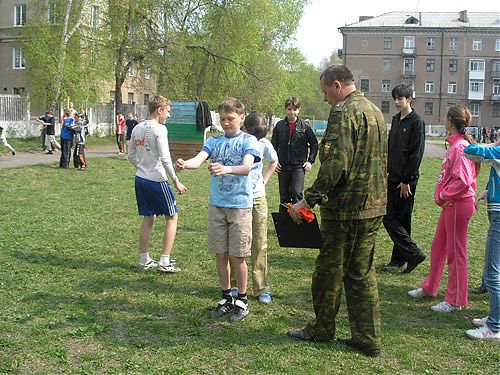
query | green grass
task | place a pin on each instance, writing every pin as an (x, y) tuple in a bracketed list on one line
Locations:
[(35, 144), (73, 301)]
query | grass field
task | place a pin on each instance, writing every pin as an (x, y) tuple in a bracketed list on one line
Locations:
[(73, 301)]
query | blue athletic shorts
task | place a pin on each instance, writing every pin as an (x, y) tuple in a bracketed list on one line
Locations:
[(154, 198)]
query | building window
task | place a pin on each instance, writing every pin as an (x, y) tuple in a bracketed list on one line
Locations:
[(387, 42), (130, 98), (132, 71), (384, 107), (453, 65), (19, 91), (496, 110), (477, 45), (430, 65), (146, 99), (474, 109), (18, 58), (365, 85), (147, 72), (387, 65), (386, 85), (431, 42), (429, 87), (495, 66), (428, 108), (452, 87), (453, 45), (476, 65), (20, 15), (408, 66), (496, 88), (409, 42), (52, 12), (476, 86), (94, 16), (497, 45)]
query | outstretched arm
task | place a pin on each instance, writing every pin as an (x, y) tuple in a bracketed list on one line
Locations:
[(192, 163)]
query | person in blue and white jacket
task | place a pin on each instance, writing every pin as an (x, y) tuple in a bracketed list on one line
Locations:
[(489, 327)]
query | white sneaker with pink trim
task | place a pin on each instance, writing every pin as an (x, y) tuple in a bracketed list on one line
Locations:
[(483, 333)]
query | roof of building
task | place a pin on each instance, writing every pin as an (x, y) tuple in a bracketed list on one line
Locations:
[(429, 19)]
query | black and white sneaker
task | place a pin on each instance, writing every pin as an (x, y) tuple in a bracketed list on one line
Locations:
[(224, 306), (240, 311), (170, 268), (151, 264)]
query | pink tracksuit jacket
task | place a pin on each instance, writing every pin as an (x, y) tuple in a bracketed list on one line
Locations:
[(455, 191)]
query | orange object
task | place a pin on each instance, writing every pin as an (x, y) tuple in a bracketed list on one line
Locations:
[(306, 214)]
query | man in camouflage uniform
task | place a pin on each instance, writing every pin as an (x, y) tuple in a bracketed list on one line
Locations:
[(351, 190)]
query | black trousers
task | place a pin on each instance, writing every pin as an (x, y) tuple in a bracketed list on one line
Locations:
[(291, 184), (65, 153), (397, 222)]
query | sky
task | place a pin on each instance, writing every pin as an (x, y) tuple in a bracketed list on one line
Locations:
[(317, 35)]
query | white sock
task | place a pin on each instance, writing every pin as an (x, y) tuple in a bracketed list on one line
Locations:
[(145, 258), (165, 260)]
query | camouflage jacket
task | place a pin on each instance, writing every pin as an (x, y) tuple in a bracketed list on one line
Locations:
[(352, 180)]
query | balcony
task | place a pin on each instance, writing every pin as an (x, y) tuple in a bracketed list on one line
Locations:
[(495, 97), (408, 73), (495, 74), (409, 51), (475, 95)]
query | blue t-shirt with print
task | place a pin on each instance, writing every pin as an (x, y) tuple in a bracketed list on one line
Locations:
[(66, 132), (231, 191), (268, 153)]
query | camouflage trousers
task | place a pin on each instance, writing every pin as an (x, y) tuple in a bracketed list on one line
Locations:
[(346, 259)]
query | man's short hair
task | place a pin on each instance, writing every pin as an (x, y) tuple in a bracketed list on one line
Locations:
[(255, 124), (231, 105), (156, 102), (402, 90), (337, 73), (292, 101)]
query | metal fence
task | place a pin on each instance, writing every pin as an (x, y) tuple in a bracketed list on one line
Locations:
[(14, 108)]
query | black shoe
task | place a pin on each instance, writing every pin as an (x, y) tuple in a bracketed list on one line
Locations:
[(392, 267), (480, 290), (301, 334), (370, 352), (412, 264), (240, 311), (13, 153), (224, 306)]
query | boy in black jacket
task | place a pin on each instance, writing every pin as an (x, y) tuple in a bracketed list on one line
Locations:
[(406, 149), (297, 146)]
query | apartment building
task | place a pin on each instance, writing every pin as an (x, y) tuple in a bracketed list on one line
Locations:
[(16, 14), (448, 57)]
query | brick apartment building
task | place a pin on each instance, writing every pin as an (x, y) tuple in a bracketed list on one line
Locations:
[(16, 14), (448, 57)]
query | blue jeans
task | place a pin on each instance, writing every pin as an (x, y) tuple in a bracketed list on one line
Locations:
[(492, 270)]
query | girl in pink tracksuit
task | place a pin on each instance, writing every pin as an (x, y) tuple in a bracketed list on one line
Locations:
[(454, 193)]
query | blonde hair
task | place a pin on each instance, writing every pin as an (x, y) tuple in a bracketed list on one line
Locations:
[(156, 102), (232, 105)]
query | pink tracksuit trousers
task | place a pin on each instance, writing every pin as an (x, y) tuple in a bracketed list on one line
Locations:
[(450, 243)]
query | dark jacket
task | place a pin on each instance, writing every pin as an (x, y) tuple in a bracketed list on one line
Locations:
[(406, 149), (294, 152)]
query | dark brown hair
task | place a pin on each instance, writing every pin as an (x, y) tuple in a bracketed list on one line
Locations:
[(337, 73), (293, 101), (255, 124)]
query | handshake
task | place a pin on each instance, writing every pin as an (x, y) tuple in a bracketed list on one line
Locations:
[(300, 211)]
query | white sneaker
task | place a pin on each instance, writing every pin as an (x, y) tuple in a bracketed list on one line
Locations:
[(479, 322), (445, 307), (483, 333), (417, 293), (169, 268), (149, 265)]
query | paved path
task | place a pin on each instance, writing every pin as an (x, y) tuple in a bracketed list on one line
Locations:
[(433, 149), (34, 158)]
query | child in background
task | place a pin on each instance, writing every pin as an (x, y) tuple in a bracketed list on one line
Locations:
[(120, 132), (3, 139), (129, 124), (66, 139), (255, 124), (230, 206), (454, 193), (489, 327), (79, 129)]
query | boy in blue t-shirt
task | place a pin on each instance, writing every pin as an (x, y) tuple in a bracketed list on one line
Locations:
[(230, 206)]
